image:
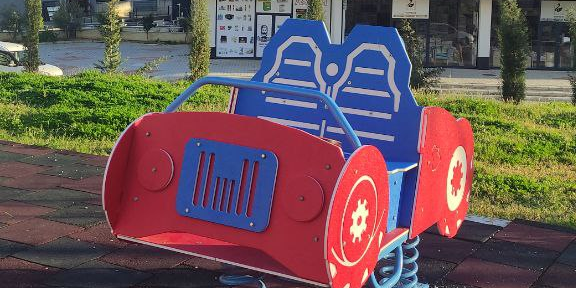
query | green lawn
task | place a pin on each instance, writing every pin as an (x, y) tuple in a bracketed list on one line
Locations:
[(525, 154)]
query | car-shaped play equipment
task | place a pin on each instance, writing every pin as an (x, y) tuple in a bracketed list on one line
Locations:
[(323, 166)]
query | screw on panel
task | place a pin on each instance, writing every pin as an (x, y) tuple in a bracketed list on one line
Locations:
[(186, 210), (198, 144), (148, 134), (328, 167), (263, 156), (251, 224), (154, 169), (316, 239), (135, 199), (301, 198)]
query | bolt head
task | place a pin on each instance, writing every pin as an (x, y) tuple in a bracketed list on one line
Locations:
[(328, 167), (301, 198), (263, 156), (198, 144), (251, 224), (154, 169), (186, 210), (148, 134), (135, 199)]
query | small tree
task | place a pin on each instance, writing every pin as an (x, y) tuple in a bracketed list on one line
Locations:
[(11, 20), (199, 58), (572, 30), (315, 10), (34, 24), (69, 17), (110, 29), (513, 40), (420, 77), (186, 26), (148, 24)]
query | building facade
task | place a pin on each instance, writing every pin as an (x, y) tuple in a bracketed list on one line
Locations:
[(455, 33)]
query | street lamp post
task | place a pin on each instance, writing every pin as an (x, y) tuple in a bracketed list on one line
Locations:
[(179, 13)]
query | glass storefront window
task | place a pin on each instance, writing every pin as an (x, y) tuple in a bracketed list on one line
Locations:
[(453, 32)]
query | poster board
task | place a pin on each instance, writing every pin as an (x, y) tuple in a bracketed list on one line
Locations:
[(235, 29)]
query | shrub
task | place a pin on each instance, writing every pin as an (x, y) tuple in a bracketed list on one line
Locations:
[(34, 24), (315, 10), (199, 58), (48, 36), (513, 39), (420, 77)]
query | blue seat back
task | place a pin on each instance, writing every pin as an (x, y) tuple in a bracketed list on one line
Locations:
[(368, 76)]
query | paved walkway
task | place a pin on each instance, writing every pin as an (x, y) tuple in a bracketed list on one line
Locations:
[(76, 56), (53, 234)]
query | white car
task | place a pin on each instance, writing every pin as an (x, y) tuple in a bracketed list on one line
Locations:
[(12, 58)]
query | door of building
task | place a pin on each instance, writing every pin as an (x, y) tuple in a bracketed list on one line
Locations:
[(555, 49)]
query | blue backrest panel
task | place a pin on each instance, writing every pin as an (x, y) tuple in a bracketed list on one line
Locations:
[(368, 76)]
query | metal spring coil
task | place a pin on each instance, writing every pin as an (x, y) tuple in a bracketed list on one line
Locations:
[(408, 277)]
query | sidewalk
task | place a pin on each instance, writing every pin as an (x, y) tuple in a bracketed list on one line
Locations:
[(53, 234)]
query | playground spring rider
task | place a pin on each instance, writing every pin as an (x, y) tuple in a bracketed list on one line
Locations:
[(282, 184)]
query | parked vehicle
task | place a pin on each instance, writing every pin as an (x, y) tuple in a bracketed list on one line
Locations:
[(12, 57)]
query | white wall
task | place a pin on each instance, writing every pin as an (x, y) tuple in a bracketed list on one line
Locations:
[(484, 26), (212, 13)]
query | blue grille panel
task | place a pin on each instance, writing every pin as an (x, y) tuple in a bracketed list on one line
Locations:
[(227, 184)]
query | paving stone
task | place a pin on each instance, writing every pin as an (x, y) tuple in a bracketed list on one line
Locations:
[(546, 226), (36, 231), (25, 149), (8, 193), (201, 263), (477, 232), (535, 236), (444, 283), (75, 171), (10, 157), (442, 248), (569, 255), (142, 257), (518, 255), (96, 274), (94, 160), (183, 277), (57, 198), (80, 215), (91, 184), (559, 276), (16, 273), (8, 248), (484, 274), (12, 212), (431, 270), (52, 159), (101, 235), (37, 181), (63, 253), (18, 169)]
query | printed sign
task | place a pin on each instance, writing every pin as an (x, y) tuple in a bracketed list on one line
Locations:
[(301, 6), (273, 6), (556, 10), (263, 32), (235, 28), (411, 9)]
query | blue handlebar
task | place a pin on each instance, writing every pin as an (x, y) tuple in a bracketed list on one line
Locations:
[(295, 91)]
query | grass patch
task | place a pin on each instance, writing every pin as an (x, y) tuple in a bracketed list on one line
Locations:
[(525, 154)]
